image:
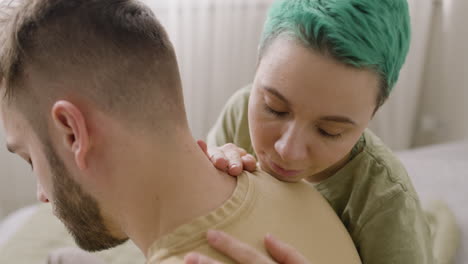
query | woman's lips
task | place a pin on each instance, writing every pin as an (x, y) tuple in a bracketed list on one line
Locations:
[(284, 172)]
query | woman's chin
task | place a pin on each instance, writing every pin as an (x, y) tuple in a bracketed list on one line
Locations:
[(281, 177)]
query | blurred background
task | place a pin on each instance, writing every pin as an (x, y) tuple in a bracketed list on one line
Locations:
[(216, 43)]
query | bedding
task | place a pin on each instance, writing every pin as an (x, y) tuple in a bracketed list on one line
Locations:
[(13, 222), (42, 233), (441, 173)]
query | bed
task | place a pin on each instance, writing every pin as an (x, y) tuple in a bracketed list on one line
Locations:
[(439, 172)]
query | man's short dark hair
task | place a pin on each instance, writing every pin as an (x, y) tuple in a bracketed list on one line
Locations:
[(113, 52)]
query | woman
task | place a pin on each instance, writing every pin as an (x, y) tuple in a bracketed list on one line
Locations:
[(325, 67)]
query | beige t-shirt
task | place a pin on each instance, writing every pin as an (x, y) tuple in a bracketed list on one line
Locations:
[(260, 204), (372, 194)]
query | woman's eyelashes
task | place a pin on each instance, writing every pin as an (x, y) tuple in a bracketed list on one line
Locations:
[(274, 112), (282, 114), (328, 135)]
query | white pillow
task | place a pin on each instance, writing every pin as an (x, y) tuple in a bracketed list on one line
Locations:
[(14, 221)]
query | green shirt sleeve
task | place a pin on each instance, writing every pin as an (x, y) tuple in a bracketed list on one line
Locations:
[(375, 199), (232, 125), (396, 233)]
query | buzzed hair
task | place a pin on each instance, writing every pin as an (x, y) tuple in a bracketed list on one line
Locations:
[(114, 53)]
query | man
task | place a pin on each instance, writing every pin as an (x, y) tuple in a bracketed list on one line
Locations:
[(92, 99)]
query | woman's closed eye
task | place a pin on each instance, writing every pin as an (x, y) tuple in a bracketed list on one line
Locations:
[(274, 112), (326, 134)]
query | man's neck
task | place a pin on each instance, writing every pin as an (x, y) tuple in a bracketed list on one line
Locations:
[(175, 185)]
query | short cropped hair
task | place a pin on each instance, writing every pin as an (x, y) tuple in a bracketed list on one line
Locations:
[(373, 34), (113, 52)]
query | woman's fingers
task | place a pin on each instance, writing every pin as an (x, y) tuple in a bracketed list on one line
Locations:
[(249, 162), (230, 158), (204, 147), (233, 154), (216, 155), (195, 258), (282, 252), (236, 250), (244, 254), (218, 159)]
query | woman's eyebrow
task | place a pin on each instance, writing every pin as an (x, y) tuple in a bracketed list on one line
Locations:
[(340, 119), (277, 94)]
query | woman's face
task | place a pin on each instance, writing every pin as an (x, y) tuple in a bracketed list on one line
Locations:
[(307, 111)]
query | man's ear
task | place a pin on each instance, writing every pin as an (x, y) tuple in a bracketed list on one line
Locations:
[(71, 124)]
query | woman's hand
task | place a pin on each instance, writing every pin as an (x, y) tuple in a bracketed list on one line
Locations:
[(229, 158), (244, 254)]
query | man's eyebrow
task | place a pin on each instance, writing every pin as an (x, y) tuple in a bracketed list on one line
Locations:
[(276, 93), (340, 119)]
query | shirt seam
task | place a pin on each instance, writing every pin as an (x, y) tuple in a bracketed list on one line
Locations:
[(373, 212), (238, 213), (388, 172)]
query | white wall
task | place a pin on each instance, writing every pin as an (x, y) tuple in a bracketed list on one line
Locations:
[(17, 184), (396, 121), (444, 100), (216, 44)]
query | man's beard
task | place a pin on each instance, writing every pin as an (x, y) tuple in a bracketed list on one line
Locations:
[(78, 211)]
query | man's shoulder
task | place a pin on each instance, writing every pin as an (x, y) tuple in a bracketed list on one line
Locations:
[(273, 189), (300, 215)]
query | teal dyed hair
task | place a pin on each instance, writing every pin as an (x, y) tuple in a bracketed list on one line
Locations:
[(373, 34)]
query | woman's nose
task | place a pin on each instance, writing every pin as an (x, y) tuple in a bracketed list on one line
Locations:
[(292, 146)]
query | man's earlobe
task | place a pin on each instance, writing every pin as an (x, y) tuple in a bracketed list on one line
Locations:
[(71, 124)]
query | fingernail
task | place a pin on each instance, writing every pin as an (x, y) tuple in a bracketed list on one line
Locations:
[(270, 237), (212, 236), (192, 258), (233, 166)]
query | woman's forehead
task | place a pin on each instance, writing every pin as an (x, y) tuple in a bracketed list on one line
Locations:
[(315, 82), (287, 60)]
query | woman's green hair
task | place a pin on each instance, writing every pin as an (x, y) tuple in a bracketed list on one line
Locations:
[(372, 34)]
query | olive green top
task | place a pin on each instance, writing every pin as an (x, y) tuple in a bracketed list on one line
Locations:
[(372, 194)]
